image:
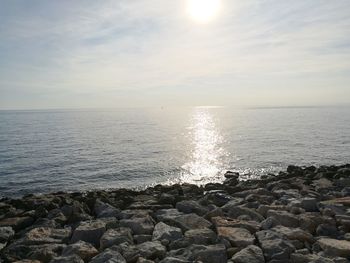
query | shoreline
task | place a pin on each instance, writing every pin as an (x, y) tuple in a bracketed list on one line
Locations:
[(300, 215)]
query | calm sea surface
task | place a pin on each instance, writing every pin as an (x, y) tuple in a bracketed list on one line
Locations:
[(44, 151)]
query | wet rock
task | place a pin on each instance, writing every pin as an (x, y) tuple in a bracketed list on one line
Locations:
[(203, 236), (274, 246), (284, 218), (67, 259), (17, 223), (84, 250), (238, 237), (250, 254), (251, 226), (102, 209), (139, 226), (236, 211), (110, 255), (189, 206), (6, 233), (190, 221), (163, 231), (334, 247), (115, 237), (89, 231)]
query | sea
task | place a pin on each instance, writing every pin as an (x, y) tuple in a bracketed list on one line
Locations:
[(45, 151)]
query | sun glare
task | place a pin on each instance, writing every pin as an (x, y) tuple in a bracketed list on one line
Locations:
[(203, 10)]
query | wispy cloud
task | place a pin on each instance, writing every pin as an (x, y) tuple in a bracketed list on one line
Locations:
[(123, 52)]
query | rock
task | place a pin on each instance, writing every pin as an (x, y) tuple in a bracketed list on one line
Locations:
[(284, 218), (142, 238), (143, 260), (167, 215), (190, 206), (81, 248), (203, 236), (238, 237), (46, 235), (269, 223), (190, 221), (251, 226), (236, 211), (217, 198), (210, 254), (174, 260), (274, 246), (89, 231), (110, 255), (115, 237), (139, 226), (102, 209), (166, 199), (334, 247), (250, 254), (152, 250), (327, 230), (67, 259), (163, 231), (17, 223), (6, 233), (294, 234)]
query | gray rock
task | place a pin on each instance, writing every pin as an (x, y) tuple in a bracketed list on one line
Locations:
[(84, 250), (327, 230), (174, 260), (6, 233), (110, 255), (167, 215), (102, 209), (236, 211), (238, 237), (189, 206), (115, 237), (190, 221), (67, 259), (139, 226), (142, 238), (269, 223), (334, 247), (203, 236), (46, 235), (210, 254), (274, 246), (89, 231), (163, 231), (250, 254), (251, 226), (294, 234), (284, 218), (17, 223), (152, 250)]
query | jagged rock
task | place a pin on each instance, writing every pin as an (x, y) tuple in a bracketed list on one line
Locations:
[(6, 233), (294, 234), (110, 255), (210, 254), (251, 226), (174, 260), (250, 254), (334, 247), (139, 226), (17, 223), (46, 235), (284, 218), (327, 230), (189, 221), (102, 209), (189, 206), (84, 250), (269, 223), (238, 237), (67, 259), (115, 237), (274, 246), (143, 260), (152, 250), (236, 211), (163, 231), (89, 231), (142, 238), (203, 236)]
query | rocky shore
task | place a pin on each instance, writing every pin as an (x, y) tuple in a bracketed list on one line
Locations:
[(301, 215)]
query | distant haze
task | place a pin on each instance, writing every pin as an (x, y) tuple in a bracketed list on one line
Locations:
[(136, 53)]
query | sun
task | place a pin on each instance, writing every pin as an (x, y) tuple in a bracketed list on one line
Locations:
[(203, 11)]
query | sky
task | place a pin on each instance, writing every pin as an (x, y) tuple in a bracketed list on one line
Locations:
[(141, 53)]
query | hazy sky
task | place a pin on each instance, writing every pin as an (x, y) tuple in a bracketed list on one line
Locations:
[(71, 54)]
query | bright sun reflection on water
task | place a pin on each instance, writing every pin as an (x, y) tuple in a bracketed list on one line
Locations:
[(206, 162)]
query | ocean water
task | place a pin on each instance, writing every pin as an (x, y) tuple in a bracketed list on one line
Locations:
[(78, 150)]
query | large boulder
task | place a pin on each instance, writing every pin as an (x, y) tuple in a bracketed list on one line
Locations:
[(110, 255), (202, 236), (237, 211), (163, 231), (274, 245), (250, 254), (294, 234), (334, 247), (238, 237), (251, 226), (190, 221), (67, 259), (115, 237), (190, 206), (6, 233), (102, 209), (139, 225), (89, 231), (17, 223), (84, 250), (284, 218), (46, 235)]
